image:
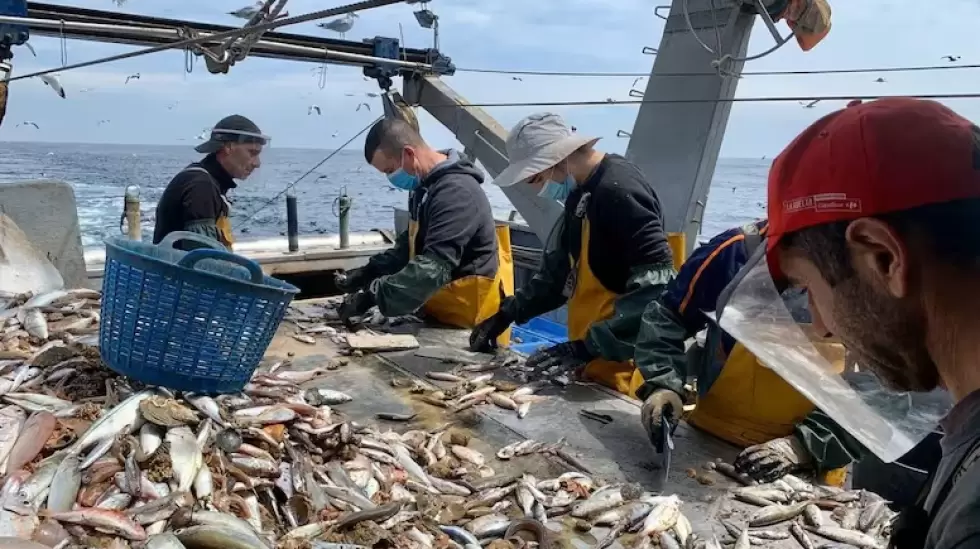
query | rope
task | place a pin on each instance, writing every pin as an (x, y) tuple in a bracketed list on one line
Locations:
[(312, 16), (587, 74), (333, 153), (599, 103)]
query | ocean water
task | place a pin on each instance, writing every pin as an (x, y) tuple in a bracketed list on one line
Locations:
[(99, 175)]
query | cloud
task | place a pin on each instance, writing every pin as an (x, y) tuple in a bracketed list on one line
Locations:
[(571, 35)]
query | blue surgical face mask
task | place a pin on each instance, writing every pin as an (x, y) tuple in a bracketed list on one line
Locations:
[(558, 191), (400, 179)]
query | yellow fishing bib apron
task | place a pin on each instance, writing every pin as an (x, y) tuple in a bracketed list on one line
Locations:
[(591, 302), (223, 223), (749, 404), (467, 301)]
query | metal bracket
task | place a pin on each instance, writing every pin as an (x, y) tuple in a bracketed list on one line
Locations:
[(12, 35), (220, 58), (625, 134), (647, 50), (636, 93), (656, 11), (386, 48)]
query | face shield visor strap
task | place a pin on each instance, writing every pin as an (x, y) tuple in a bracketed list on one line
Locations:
[(239, 136), (887, 422)]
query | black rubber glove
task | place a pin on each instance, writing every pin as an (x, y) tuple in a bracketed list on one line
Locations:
[(483, 338), (562, 358), (355, 304), (661, 402), (354, 279), (773, 460)]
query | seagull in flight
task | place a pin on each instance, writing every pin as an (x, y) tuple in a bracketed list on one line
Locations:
[(103, 121), (951, 58), (809, 105), (132, 77), (313, 108), (29, 123), (880, 80), (365, 105), (247, 12), (52, 81), (340, 25), (517, 78), (204, 134)]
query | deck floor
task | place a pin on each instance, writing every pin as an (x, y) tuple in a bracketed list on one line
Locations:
[(615, 452)]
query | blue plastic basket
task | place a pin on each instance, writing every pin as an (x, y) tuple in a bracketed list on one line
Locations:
[(537, 333), (190, 321)]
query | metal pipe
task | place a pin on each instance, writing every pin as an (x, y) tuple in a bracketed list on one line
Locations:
[(344, 204), (131, 214), (50, 28), (292, 222)]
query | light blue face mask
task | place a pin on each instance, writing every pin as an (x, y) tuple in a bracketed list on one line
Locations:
[(558, 191), (400, 179)]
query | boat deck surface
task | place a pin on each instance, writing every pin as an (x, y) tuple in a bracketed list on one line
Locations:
[(615, 452)]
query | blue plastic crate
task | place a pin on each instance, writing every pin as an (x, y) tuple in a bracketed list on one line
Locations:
[(190, 321), (536, 333)]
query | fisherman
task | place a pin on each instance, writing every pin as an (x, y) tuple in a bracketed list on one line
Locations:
[(453, 261), (196, 200), (783, 437), (873, 210), (609, 256)]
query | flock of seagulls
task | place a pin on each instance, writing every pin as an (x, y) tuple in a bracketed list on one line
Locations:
[(341, 25)]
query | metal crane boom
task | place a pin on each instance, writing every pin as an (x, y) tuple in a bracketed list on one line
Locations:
[(139, 30)]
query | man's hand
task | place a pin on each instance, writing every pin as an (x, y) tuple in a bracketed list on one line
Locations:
[(483, 338), (354, 279), (661, 402), (355, 304), (772, 460), (562, 358)]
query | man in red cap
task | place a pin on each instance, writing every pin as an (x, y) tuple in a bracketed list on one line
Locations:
[(875, 211)]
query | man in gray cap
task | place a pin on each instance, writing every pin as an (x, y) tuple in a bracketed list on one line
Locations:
[(195, 199), (608, 257)]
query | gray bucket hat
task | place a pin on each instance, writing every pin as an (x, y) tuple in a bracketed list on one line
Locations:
[(232, 129), (537, 143)]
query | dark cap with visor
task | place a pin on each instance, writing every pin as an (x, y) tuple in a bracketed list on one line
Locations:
[(232, 129)]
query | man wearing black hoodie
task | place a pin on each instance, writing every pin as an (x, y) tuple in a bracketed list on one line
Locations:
[(453, 262), (195, 199)]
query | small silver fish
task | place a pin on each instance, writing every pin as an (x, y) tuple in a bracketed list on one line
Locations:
[(320, 397), (774, 514), (493, 524)]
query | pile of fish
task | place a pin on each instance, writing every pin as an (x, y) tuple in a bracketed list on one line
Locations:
[(92, 459), (814, 515), (50, 318)]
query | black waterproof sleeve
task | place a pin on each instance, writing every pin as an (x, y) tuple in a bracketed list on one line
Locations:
[(391, 260), (450, 225), (543, 293)]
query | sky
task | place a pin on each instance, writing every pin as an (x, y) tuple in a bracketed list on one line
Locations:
[(168, 106)]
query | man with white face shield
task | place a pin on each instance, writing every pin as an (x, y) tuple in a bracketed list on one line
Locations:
[(196, 199), (608, 259), (873, 210)]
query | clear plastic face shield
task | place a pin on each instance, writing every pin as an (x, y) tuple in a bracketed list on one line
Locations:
[(773, 327), (241, 152)]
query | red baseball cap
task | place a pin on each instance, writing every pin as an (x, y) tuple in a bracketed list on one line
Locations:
[(870, 159)]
